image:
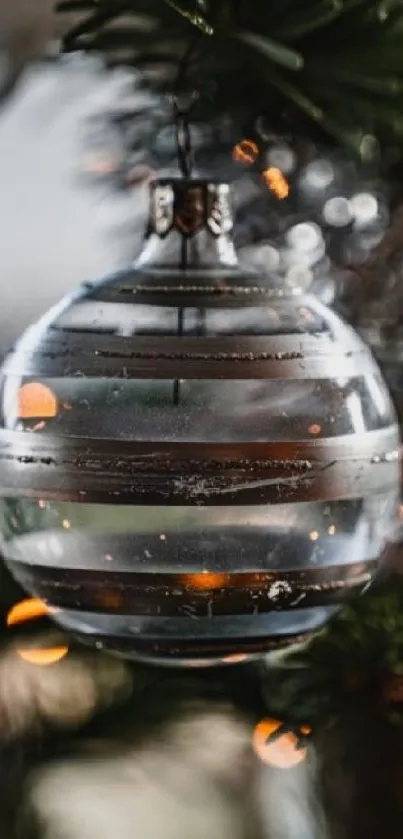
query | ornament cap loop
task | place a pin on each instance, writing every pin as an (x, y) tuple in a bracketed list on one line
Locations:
[(189, 206)]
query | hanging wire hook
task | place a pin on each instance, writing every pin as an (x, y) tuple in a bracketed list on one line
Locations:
[(183, 134), (181, 113)]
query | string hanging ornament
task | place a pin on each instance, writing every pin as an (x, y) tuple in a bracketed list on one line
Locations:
[(219, 469)]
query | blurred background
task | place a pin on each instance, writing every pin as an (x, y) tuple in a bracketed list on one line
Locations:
[(56, 229)]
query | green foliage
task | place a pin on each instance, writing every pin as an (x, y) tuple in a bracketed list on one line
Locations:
[(336, 64), (353, 658)]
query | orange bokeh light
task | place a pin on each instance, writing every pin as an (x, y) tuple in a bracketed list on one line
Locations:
[(206, 580), (110, 599), (282, 752), (246, 151), (42, 656), (36, 400), (276, 182), (26, 610), (305, 730), (235, 658)]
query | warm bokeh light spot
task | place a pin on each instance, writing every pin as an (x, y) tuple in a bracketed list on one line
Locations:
[(99, 164), (235, 658), (315, 428), (110, 599), (36, 400), (281, 752), (314, 535), (42, 656), (246, 151), (26, 610), (276, 182), (305, 730), (207, 580)]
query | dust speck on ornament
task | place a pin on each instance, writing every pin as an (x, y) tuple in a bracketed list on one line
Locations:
[(282, 752), (163, 538), (246, 151), (278, 590), (66, 524), (331, 530)]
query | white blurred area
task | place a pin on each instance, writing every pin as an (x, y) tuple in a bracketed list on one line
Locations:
[(53, 228), (194, 778)]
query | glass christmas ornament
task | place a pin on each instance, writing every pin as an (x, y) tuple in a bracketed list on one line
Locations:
[(197, 465), (384, 335)]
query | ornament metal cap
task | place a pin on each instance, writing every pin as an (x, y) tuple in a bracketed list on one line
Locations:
[(189, 225)]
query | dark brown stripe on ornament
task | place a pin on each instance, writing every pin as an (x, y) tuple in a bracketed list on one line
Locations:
[(122, 472), (173, 346), (179, 648), (244, 357), (45, 445), (156, 287), (203, 595)]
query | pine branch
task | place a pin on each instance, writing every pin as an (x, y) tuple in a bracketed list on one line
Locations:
[(316, 55)]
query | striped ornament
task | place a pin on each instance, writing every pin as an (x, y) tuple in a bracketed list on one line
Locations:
[(197, 464)]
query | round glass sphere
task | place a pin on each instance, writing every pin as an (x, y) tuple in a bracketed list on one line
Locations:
[(196, 467)]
